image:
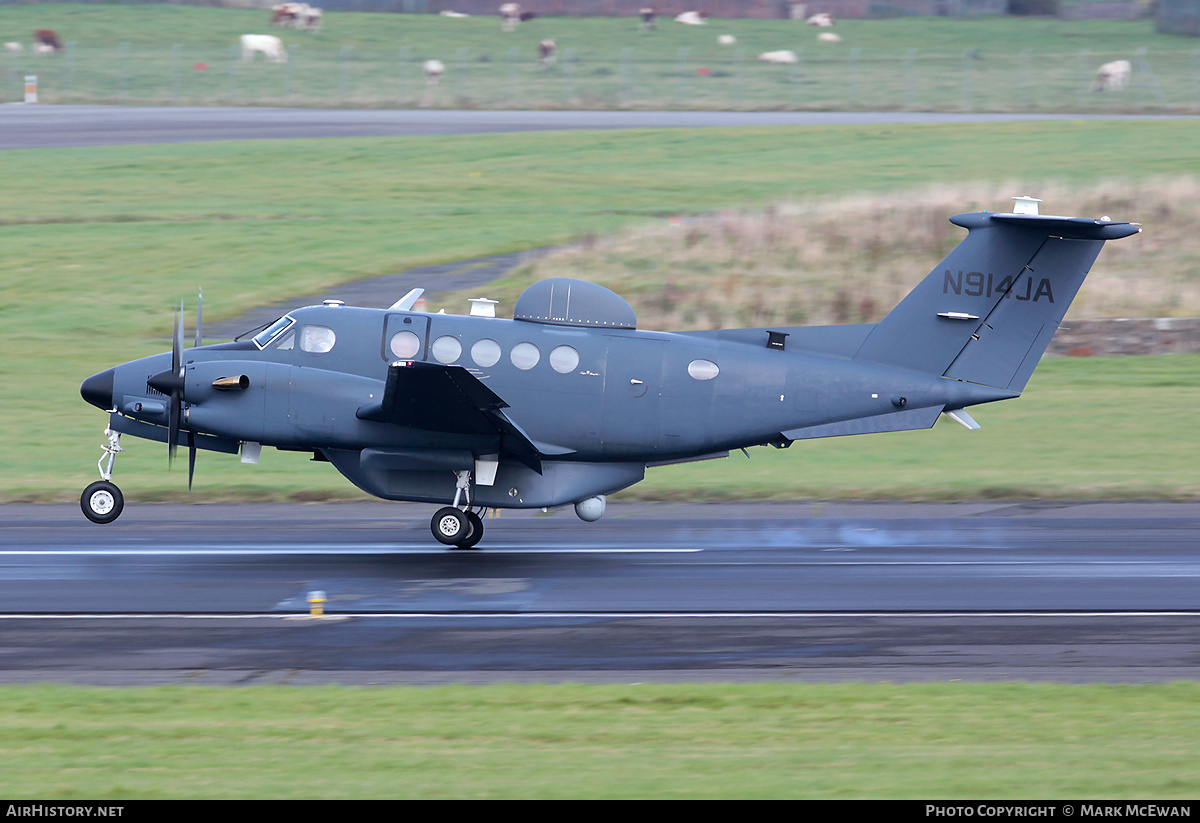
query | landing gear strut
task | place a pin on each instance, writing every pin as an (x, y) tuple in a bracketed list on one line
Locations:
[(456, 525), (102, 501)]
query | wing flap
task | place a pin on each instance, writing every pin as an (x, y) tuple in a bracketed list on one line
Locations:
[(451, 400)]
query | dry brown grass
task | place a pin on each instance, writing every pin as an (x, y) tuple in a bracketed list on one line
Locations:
[(851, 259)]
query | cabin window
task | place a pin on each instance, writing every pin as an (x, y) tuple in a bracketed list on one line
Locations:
[(703, 369), (525, 356), (317, 339), (446, 349), (564, 359), (486, 353), (405, 345)]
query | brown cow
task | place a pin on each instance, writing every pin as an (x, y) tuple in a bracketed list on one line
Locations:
[(47, 38)]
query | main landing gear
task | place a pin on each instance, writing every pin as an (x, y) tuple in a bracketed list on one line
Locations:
[(457, 525), (102, 501)]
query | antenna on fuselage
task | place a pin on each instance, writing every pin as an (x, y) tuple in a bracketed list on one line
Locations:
[(407, 302)]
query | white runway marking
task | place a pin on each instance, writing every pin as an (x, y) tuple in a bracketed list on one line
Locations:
[(335, 548), (336, 616)]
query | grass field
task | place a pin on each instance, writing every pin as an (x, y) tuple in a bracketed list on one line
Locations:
[(851, 259), (920, 741), (98, 243), (154, 54)]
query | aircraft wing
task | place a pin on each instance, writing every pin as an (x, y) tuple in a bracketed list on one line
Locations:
[(449, 399)]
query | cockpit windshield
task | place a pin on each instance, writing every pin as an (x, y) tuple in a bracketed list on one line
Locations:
[(271, 332)]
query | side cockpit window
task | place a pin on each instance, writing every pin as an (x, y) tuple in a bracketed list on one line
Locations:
[(317, 338)]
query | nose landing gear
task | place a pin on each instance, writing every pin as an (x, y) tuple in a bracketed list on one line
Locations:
[(102, 501)]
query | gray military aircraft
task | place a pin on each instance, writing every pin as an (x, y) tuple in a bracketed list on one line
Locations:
[(569, 401)]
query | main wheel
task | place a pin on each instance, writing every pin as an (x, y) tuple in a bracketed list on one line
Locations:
[(102, 502), (450, 526), (472, 539)]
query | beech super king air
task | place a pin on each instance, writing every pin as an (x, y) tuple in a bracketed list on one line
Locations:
[(569, 401)]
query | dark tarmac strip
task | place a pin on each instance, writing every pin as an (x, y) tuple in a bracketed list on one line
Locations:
[(53, 126), (833, 591)]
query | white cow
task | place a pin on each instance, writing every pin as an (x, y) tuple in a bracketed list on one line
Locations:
[(434, 69), (510, 15), (268, 45), (691, 18), (822, 19), (780, 57), (1113, 76), (828, 37)]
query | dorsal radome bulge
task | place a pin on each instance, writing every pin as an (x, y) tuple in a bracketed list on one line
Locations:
[(561, 301), (332, 302), (1026, 205)]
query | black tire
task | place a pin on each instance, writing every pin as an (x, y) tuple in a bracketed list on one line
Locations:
[(450, 526), (102, 502), (472, 539)]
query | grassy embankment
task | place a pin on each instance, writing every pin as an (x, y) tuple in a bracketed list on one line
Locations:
[(141, 53), (98, 244), (948, 740)]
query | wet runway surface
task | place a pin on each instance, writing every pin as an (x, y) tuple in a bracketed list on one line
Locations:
[(216, 593)]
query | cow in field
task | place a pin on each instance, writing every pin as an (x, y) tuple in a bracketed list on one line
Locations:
[(1113, 76), (48, 39), (268, 45)]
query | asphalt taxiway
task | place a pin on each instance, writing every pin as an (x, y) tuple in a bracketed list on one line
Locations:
[(56, 126)]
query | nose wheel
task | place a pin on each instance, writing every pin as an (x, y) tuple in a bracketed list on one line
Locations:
[(102, 501)]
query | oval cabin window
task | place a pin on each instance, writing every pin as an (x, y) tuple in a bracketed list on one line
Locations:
[(703, 369), (405, 345), (486, 353), (525, 356), (564, 359), (446, 349)]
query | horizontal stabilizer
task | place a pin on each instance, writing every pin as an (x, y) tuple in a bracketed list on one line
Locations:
[(448, 399), (892, 422), (1069, 228)]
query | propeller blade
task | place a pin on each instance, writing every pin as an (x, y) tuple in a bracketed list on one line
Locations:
[(177, 343), (191, 458), (176, 404), (173, 426), (200, 319)]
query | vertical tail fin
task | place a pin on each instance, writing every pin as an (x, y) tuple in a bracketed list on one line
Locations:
[(988, 311)]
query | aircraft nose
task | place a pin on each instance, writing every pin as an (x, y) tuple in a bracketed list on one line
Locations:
[(98, 390)]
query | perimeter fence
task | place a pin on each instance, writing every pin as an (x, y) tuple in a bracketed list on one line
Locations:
[(732, 79)]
